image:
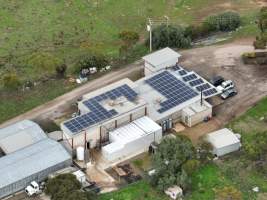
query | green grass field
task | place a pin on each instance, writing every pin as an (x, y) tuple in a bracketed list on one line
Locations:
[(66, 30)]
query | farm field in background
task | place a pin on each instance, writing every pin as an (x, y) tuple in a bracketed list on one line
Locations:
[(67, 30)]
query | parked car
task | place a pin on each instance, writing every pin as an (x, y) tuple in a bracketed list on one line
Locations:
[(229, 93), (33, 189), (217, 80), (226, 85)]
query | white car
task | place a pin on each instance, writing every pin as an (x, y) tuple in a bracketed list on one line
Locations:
[(226, 85), (33, 189)]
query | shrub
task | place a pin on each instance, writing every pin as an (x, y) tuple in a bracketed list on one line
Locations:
[(11, 81), (227, 21), (163, 36), (61, 70), (43, 63), (259, 44), (98, 61), (129, 37), (227, 193)]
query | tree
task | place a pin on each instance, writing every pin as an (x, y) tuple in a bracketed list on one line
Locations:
[(228, 193), (227, 21), (11, 81), (99, 61), (61, 70), (169, 36), (261, 40), (204, 150), (168, 162)]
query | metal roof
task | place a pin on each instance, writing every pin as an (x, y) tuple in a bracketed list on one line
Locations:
[(222, 138), (31, 160), (20, 135), (162, 56)]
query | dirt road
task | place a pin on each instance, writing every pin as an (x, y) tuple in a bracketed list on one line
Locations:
[(59, 106), (224, 60)]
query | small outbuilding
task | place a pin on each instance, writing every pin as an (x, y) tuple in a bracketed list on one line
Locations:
[(159, 60), (133, 138), (223, 141)]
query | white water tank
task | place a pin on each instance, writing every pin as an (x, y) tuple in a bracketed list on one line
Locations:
[(80, 153)]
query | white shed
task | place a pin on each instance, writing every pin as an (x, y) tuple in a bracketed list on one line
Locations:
[(224, 141), (159, 60), (131, 139)]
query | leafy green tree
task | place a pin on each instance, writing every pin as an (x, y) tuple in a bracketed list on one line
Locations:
[(204, 150), (228, 193), (168, 162), (169, 36), (262, 22), (191, 166)]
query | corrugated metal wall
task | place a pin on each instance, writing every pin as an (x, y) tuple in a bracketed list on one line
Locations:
[(40, 176)]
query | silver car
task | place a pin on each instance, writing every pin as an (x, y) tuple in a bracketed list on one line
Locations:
[(229, 93)]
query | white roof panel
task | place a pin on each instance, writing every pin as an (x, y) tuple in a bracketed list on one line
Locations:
[(162, 56), (20, 135), (222, 138)]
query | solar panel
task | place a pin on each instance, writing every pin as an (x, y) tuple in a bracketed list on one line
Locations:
[(97, 112), (189, 77), (182, 72), (176, 91), (203, 87), (176, 67), (210, 92), (196, 82)]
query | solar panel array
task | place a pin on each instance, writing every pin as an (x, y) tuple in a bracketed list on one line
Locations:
[(189, 77), (210, 92), (173, 89), (196, 82), (97, 112), (176, 67), (182, 72), (203, 87)]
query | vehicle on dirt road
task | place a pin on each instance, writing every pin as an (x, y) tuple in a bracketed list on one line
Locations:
[(226, 85), (217, 80), (33, 189), (228, 93)]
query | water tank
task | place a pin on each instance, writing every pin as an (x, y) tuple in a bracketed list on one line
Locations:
[(80, 153), (170, 124)]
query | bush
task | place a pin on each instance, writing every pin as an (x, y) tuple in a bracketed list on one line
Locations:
[(11, 81), (129, 37), (227, 193), (98, 61), (43, 63), (169, 36), (227, 21), (61, 70)]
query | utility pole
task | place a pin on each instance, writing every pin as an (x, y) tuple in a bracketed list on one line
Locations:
[(149, 28)]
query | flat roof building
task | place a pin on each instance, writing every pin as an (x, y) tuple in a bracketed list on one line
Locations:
[(223, 141), (160, 59)]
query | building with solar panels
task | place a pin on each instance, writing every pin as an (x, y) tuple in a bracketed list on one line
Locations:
[(102, 111), (174, 95), (26, 154), (166, 95)]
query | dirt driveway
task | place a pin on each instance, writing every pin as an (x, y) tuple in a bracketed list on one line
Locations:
[(225, 60)]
